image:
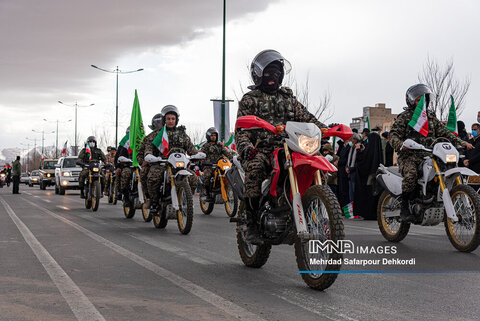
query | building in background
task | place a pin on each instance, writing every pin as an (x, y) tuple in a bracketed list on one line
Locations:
[(379, 116)]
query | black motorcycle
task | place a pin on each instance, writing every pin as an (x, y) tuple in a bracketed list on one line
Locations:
[(93, 186), (135, 199)]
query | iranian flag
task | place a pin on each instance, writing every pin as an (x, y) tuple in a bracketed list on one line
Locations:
[(88, 151), (64, 150), (161, 141), (419, 120), (452, 118), (125, 142), (231, 142), (42, 161)]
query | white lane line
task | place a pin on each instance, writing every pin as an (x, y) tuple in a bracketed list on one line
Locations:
[(27, 193), (170, 248), (48, 201), (80, 305), (204, 294), (63, 207)]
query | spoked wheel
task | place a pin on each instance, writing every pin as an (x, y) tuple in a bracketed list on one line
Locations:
[(323, 219), (129, 210), (206, 207), (96, 195), (88, 199), (254, 256), (160, 220), (231, 204), (392, 227), (111, 194), (147, 217), (464, 234), (185, 213)]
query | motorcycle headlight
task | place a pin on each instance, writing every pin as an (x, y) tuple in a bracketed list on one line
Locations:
[(48, 175), (225, 167), (308, 144), (95, 169), (67, 174), (2, 175), (451, 158), (179, 164)]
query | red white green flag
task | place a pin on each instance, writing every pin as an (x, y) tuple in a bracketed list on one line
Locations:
[(64, 150), (88, 151), (231, 142), (42, 161), (452, 118), (125, 142), (419, 120), (161, 141)]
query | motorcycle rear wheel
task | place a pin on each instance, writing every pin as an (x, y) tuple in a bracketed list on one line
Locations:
[(393, 229), (254, 256), (185, 202), (147, 217), (323, 215), (96, 195), (464, 234), (128, 211)]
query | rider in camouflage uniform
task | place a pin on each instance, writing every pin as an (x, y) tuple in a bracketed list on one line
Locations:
[(97, 156), (410, 160), (109, 171), (157, 122), (274, 104), (178, 141), (123, 170), (214, 151)]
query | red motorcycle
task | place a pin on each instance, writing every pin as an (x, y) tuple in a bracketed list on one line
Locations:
[(295, 207)]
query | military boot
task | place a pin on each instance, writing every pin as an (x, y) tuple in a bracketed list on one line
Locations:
[(253, 234), (405, 214), (82, 193)]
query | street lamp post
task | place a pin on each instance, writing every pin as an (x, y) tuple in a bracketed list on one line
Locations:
[(56, 138), (76, 105), (43, 137), (34, 149), (116, 71)]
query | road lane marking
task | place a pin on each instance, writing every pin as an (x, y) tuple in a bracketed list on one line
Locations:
[(48, 201), (202, 293), (170, 248), (63, 207), (80, 305)]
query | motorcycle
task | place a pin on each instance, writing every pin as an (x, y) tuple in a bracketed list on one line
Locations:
[(110, 170), (93, 186), (136, 196), (2, 179), (295, 206), (176, 200), (442, 195), (218, 185)]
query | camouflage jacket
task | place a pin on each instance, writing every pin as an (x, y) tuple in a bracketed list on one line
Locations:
[(277, 110), (110, 159), (178, 142), (401, 131), (215, 151), (141, 150), (97, 155)]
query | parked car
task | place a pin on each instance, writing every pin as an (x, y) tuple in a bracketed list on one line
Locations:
[(24, 178), (66, 174), (34, 178), (47, 173)]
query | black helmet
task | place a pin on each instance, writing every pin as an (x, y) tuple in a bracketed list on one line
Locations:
[(157, 122), (262, 60), (92, 139), (210, 131), (416, 91), (170, 109)]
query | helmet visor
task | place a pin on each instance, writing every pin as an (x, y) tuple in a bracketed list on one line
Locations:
[(266, 57), (417, 91)]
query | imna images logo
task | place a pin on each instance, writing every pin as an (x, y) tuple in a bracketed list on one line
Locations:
[(347, 247)]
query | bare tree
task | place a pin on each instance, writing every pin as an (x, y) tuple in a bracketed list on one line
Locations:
[(443, 83), (196, 134)]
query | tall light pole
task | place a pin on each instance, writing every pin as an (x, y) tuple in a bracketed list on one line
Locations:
[(43, 137), (116, 71), (25, 162), (56, 138), (222, 129), (76, 105), (34, 149)]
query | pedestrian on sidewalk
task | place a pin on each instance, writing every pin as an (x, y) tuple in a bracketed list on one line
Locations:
[(17, 171)]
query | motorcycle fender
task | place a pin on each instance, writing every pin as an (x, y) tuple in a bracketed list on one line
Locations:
[(175, 198), (461, 170), (298, 214), (140, 193), (391, 182), (183, 172), (224, 190), (447, 202)]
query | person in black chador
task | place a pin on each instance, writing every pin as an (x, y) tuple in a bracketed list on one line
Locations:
[(388, 151), (368, 160), (342, 153)]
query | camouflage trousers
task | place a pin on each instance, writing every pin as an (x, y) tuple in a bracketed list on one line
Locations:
[(207, 175), (125, 179), (256, 171), (409, 170), (82, 177), (144, 177), (108, 174), (155, 180)]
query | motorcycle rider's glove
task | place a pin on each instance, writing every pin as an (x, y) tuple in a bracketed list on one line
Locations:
[(250, 153)]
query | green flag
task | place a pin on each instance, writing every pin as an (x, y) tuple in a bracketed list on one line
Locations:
[(137, 133), (368, 123), (452, 118)]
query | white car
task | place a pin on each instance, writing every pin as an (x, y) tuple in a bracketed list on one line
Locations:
[(24, 178), (66, 174), (34, 178)]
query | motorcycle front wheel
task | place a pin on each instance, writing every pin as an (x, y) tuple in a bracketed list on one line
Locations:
[(185, 202), (96, 195), (254, 256), (147, 217), (231, 204), (161, 220), (465, 233), (88, 199), (206, 207), (323, 218), (128, 211), (392, 227)]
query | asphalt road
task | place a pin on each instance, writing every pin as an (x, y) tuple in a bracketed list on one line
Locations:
[(59, 261)]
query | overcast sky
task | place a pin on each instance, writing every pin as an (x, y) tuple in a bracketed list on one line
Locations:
[(362, 52)]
